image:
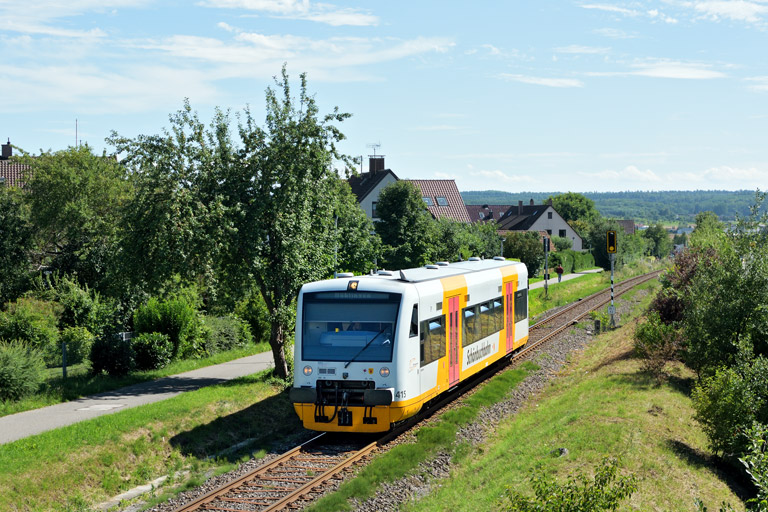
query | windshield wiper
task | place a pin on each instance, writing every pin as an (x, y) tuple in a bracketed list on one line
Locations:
[(365, 347)]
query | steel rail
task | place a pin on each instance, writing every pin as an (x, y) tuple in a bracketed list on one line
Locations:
[(283, 461)]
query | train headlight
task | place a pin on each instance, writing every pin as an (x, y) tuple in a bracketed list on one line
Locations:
[(307, 370), (384, 372)]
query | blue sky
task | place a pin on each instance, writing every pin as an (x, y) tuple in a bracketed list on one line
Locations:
[(508, 95)]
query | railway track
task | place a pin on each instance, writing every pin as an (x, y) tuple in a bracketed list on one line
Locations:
[(301, 472)]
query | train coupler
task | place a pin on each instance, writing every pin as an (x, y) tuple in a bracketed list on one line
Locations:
[(345, 417)]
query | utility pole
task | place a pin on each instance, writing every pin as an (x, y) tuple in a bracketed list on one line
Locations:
[(612, 246)]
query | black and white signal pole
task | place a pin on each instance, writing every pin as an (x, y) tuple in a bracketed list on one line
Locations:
[(546, 266), (611, 246)]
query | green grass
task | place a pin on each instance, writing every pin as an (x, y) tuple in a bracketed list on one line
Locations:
[(93, 460), (80, 382), (567, 292), (602, 405), (432, 439)]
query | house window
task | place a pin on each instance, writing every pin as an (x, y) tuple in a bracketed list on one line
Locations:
[(374, 214), (428, 200), (549, 215), (441, 201), (549, 232), (561, 233)]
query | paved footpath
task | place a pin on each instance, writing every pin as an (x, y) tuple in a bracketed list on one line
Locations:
[(28, 423), (566, 277)]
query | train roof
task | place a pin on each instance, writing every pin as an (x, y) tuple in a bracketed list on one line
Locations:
[(418, 274)]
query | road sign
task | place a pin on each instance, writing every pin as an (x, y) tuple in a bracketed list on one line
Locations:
[(611, 309), (611, 242)]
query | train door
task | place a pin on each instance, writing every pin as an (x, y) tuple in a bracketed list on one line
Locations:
[(453, 340), (509, 303)]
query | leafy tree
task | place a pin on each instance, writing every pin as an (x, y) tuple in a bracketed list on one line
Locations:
[(15, 243), (75, 198), (406, 228), (726, 314), (283, 190), (358, 245), (681, 239), (175, 225), (708, 231), (660, 245), (629, 247), (573, 206), (527, 247)]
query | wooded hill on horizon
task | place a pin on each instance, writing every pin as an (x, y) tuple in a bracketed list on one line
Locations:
[(670, 205)]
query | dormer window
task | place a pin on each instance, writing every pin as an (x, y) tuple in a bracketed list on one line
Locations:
[(428, 200), (441, 201)]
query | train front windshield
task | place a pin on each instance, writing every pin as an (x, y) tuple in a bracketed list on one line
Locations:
[(349, 326)]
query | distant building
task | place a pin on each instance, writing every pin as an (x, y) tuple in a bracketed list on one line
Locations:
[(443, 199), (539, 217), (486, 212), (628, 225), (368, 185), (11, 172)]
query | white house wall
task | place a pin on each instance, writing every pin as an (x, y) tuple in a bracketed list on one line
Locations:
[(555, 224), (373, 196)]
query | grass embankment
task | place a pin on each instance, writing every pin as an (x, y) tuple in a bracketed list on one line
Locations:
[(80, 382), (602, 405), (77, 466), (567, 292)]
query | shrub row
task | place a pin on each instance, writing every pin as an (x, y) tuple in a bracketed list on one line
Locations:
[(573, 261)]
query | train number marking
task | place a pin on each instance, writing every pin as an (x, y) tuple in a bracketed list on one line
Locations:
[(400, 394)]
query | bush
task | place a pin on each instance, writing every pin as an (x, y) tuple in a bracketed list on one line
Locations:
[(32, 322), (730, 401), (225, 333), (254, 311), (79, 341), (21, 370), (656, 343), (177, 319), (152, 351), (112, 354), (579, 494), (562, 243)]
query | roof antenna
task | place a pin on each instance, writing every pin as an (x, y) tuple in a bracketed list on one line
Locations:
[(375, 146)]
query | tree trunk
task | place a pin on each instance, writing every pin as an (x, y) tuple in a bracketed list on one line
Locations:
[(277, 342)]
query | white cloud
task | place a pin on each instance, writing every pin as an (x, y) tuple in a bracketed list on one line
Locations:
[(758, 83), (628, 177), (733, 176), (494, 178), (435, 128), (300, 10), (614, 33), (612, 8), (665, 68), (548, 82), (38, 17), (738, 10)]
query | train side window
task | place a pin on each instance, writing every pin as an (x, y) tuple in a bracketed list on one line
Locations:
[(414, 321), (432, 340), (498, 313), (521, 305), (471, 326)]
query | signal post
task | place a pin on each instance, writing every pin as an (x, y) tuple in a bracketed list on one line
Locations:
[(611, 246)]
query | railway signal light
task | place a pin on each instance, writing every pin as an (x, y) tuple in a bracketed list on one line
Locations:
[(611, 242)]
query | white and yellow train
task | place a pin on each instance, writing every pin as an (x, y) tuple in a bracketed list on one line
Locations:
[(373, 350)]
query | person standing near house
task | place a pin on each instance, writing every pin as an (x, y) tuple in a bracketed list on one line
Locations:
[(559, 271)]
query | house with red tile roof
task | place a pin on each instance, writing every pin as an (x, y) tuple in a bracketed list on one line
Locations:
[(367, 185), (443, 199), (11, 172), (541, 218)]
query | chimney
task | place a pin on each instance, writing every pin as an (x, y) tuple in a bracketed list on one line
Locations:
[(375, 163), (519, 207), (532, 203), (7, 151), (549, 202)]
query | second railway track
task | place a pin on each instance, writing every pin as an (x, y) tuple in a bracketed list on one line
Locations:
[(302, 471)]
